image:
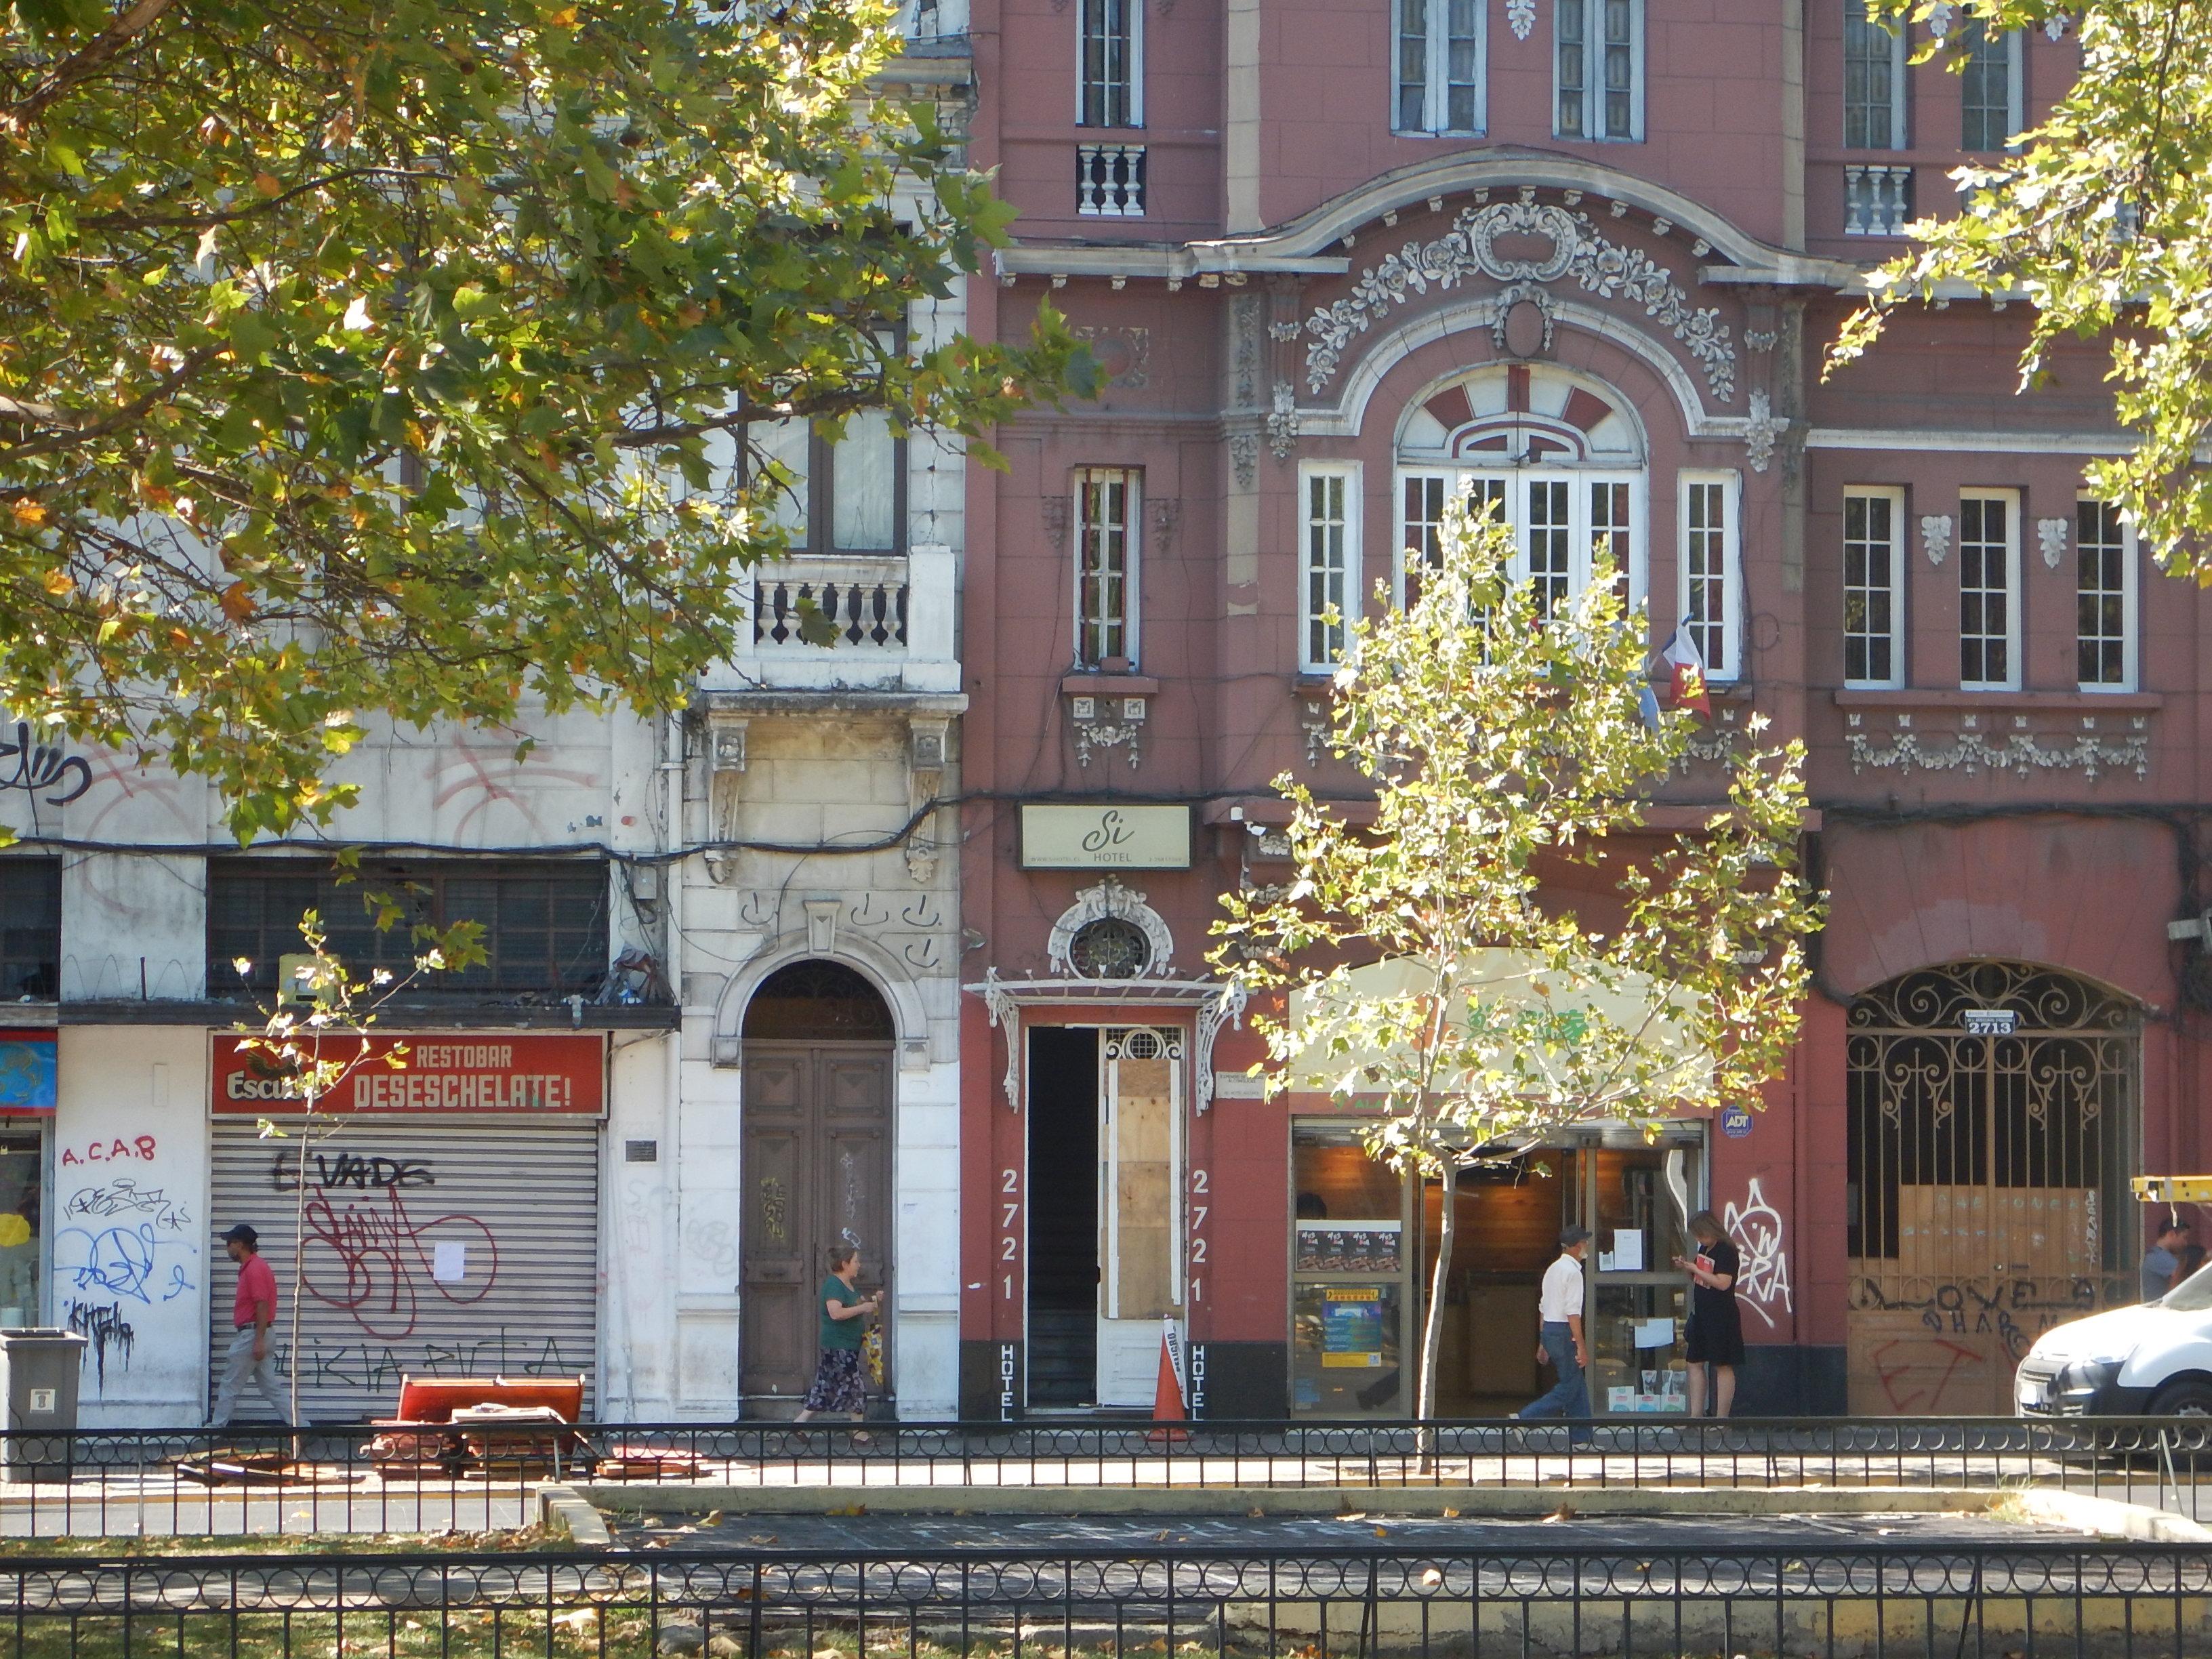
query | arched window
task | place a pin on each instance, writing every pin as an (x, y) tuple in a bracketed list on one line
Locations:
[(816, 1001), (1559, 459)]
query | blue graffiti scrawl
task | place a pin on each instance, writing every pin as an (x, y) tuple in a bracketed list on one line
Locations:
[(27, 1076), (136, 1263)]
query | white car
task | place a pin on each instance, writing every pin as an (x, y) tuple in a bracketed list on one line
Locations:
[(2155, 1359)]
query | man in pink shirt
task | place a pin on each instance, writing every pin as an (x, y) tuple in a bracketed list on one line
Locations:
[(252, 1311)]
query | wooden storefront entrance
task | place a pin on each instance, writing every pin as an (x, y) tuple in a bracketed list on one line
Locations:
[(1991, 1131), (816, 1163)]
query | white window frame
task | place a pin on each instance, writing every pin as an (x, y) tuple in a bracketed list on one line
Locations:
[(2130, 584), (1346, 527), (1133, 514), (1900, 79), (1592, 13), (1894, 497), (1460, 480), (2015, 44), (2010, 682), (1725, 665), (1436, 76), (1136, 65)]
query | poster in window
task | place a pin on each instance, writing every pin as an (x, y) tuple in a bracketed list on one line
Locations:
[(1351, 1328)]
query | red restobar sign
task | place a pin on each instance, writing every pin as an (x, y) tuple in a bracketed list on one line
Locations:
[(514, 1076)]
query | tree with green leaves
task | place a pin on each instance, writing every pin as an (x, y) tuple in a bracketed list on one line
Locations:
[(2102, 217), (412, 356), (1508, 949)]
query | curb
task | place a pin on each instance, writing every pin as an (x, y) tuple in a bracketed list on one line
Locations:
[(2107, 1517), (565, 1510), (1427, 1501)]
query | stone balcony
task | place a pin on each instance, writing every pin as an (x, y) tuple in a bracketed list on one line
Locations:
[(891, 618)]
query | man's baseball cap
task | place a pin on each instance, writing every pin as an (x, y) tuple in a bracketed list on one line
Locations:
[(1572, 1236), (241, 1234)]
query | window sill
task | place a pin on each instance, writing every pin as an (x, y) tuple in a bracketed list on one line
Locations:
[(2016, 701), (1088, 683)]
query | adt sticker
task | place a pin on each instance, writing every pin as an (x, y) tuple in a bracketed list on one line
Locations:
[(1736, 1122)]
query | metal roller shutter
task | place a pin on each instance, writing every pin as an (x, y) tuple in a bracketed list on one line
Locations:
[(434, 1249)]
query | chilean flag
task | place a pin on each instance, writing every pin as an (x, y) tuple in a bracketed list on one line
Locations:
[(1686, 685)]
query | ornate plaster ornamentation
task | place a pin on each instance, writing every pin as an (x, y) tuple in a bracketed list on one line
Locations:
[(1313, 721), (1716, 742), (1521, 16), (1106, 723), (1940, 19), (1244, 323), (1761, 431), (1935, 537), (1161, 514), (2054, 27), (1123, 354), (1468, 250), (1761, 340), (1284, 330), (1006, 1013), (2019, 752), (1226, 1009), (2051, 535), (1283, 421), (1109, 901), (1518, 294), (1244, 453)]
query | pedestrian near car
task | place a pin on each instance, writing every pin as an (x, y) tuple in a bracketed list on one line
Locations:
[(1715, 1338), (1559, 1337), (2160, 1261), (249, 1356), (838, 1385)]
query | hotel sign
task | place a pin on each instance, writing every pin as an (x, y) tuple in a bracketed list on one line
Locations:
[(1106, 835)]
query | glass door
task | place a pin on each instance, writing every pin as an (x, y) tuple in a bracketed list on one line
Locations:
[(1637, 1202), (22, 1182)]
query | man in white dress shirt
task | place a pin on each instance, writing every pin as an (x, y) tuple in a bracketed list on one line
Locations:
[(1559, 1337)]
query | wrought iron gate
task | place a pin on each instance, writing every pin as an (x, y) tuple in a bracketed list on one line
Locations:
[(1991, 1129)]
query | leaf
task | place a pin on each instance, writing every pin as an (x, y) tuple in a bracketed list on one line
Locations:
[(29, 511), (268, 184)]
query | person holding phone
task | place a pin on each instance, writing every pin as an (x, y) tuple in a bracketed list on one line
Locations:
[(1716, 1334)]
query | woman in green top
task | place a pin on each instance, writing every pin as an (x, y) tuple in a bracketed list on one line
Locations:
[(837, 1386)]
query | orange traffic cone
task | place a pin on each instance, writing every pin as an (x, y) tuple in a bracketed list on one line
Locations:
[(1167, 1392)]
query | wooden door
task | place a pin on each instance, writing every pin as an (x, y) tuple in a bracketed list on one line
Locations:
[(1987, 1160), (816, 1164), (1139, 1211)]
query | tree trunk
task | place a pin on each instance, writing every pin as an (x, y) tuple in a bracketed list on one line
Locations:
[(1432, 1319), (298, 1263)]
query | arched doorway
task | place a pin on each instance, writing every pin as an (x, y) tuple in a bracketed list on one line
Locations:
[(1990, 1132), (816, 1159)]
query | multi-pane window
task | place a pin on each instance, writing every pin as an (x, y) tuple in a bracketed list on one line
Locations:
[(1106, 507), (1110, 83), (1990, 89), (1711, 578), (1331, 563), (1874, 82), (842, 497), (30, 928), (1989, 592), (544, 921), (1558, 517), (1874, 588), (1440, 65), (1597, 75), (2104, 597)]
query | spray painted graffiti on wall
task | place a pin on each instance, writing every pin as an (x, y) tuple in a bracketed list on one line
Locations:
[(1756, 1227)]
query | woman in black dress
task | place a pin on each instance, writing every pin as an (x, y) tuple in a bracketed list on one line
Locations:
[(1715, 1336)]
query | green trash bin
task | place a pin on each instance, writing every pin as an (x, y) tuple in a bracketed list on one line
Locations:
[(38, 1387)]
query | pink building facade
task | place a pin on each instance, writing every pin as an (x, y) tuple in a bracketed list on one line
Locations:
[(1344, 264)]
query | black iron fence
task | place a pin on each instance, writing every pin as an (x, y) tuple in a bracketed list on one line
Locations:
[(117, 1482), (2032, 1596)]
